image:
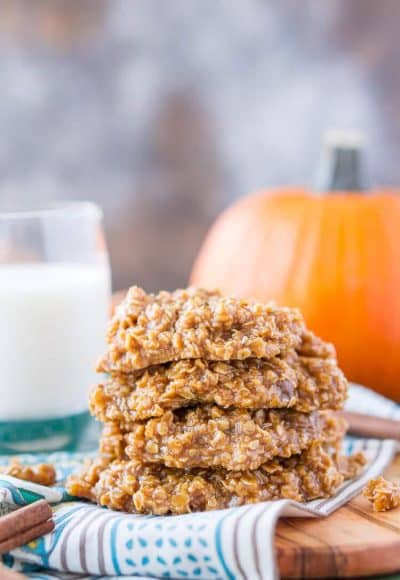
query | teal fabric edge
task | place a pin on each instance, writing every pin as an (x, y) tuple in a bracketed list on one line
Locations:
[(63, 433)]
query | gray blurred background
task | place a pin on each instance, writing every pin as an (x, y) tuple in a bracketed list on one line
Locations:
[(165, 112)]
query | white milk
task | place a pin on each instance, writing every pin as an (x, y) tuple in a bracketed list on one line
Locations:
[(52, 327)]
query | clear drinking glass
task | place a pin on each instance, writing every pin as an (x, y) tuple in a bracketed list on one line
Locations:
[(54, 301)]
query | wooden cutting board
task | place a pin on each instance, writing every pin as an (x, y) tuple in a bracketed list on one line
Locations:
[(354, 541)]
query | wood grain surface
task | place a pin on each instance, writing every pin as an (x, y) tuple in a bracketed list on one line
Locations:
[(354, 541)]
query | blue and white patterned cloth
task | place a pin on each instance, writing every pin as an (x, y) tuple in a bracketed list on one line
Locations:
[(237, 543)]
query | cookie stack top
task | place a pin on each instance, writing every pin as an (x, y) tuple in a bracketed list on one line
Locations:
[(150, 329)]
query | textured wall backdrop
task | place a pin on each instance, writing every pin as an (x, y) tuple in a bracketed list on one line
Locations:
[(164, 112)]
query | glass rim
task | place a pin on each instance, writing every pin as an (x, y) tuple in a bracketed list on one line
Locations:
[(57, 208)]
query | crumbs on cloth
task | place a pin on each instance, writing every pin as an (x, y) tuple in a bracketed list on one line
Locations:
[(41, 473)]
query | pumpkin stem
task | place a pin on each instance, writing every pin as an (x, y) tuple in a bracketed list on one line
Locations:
[(341, 166)]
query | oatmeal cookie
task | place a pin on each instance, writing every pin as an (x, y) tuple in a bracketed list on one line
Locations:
[(235, 439), (131, 486), (298, 382), (150, 329), (330, 426)]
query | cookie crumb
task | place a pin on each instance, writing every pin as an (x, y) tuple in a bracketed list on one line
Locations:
[(383, 494), (351, 465), (42, 473)]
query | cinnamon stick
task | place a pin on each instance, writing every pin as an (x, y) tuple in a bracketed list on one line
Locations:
[(26, 536), (23, 519), (371, 426), (7, 574)]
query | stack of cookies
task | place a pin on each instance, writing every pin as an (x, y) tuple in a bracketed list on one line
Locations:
[(213, 402)]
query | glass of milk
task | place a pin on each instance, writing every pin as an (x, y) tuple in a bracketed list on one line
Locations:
[(54, 302)]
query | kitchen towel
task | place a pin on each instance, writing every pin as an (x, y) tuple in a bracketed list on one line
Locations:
[(236, 543)]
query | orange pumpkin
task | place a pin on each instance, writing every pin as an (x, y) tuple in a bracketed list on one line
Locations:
[(336, 255)]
